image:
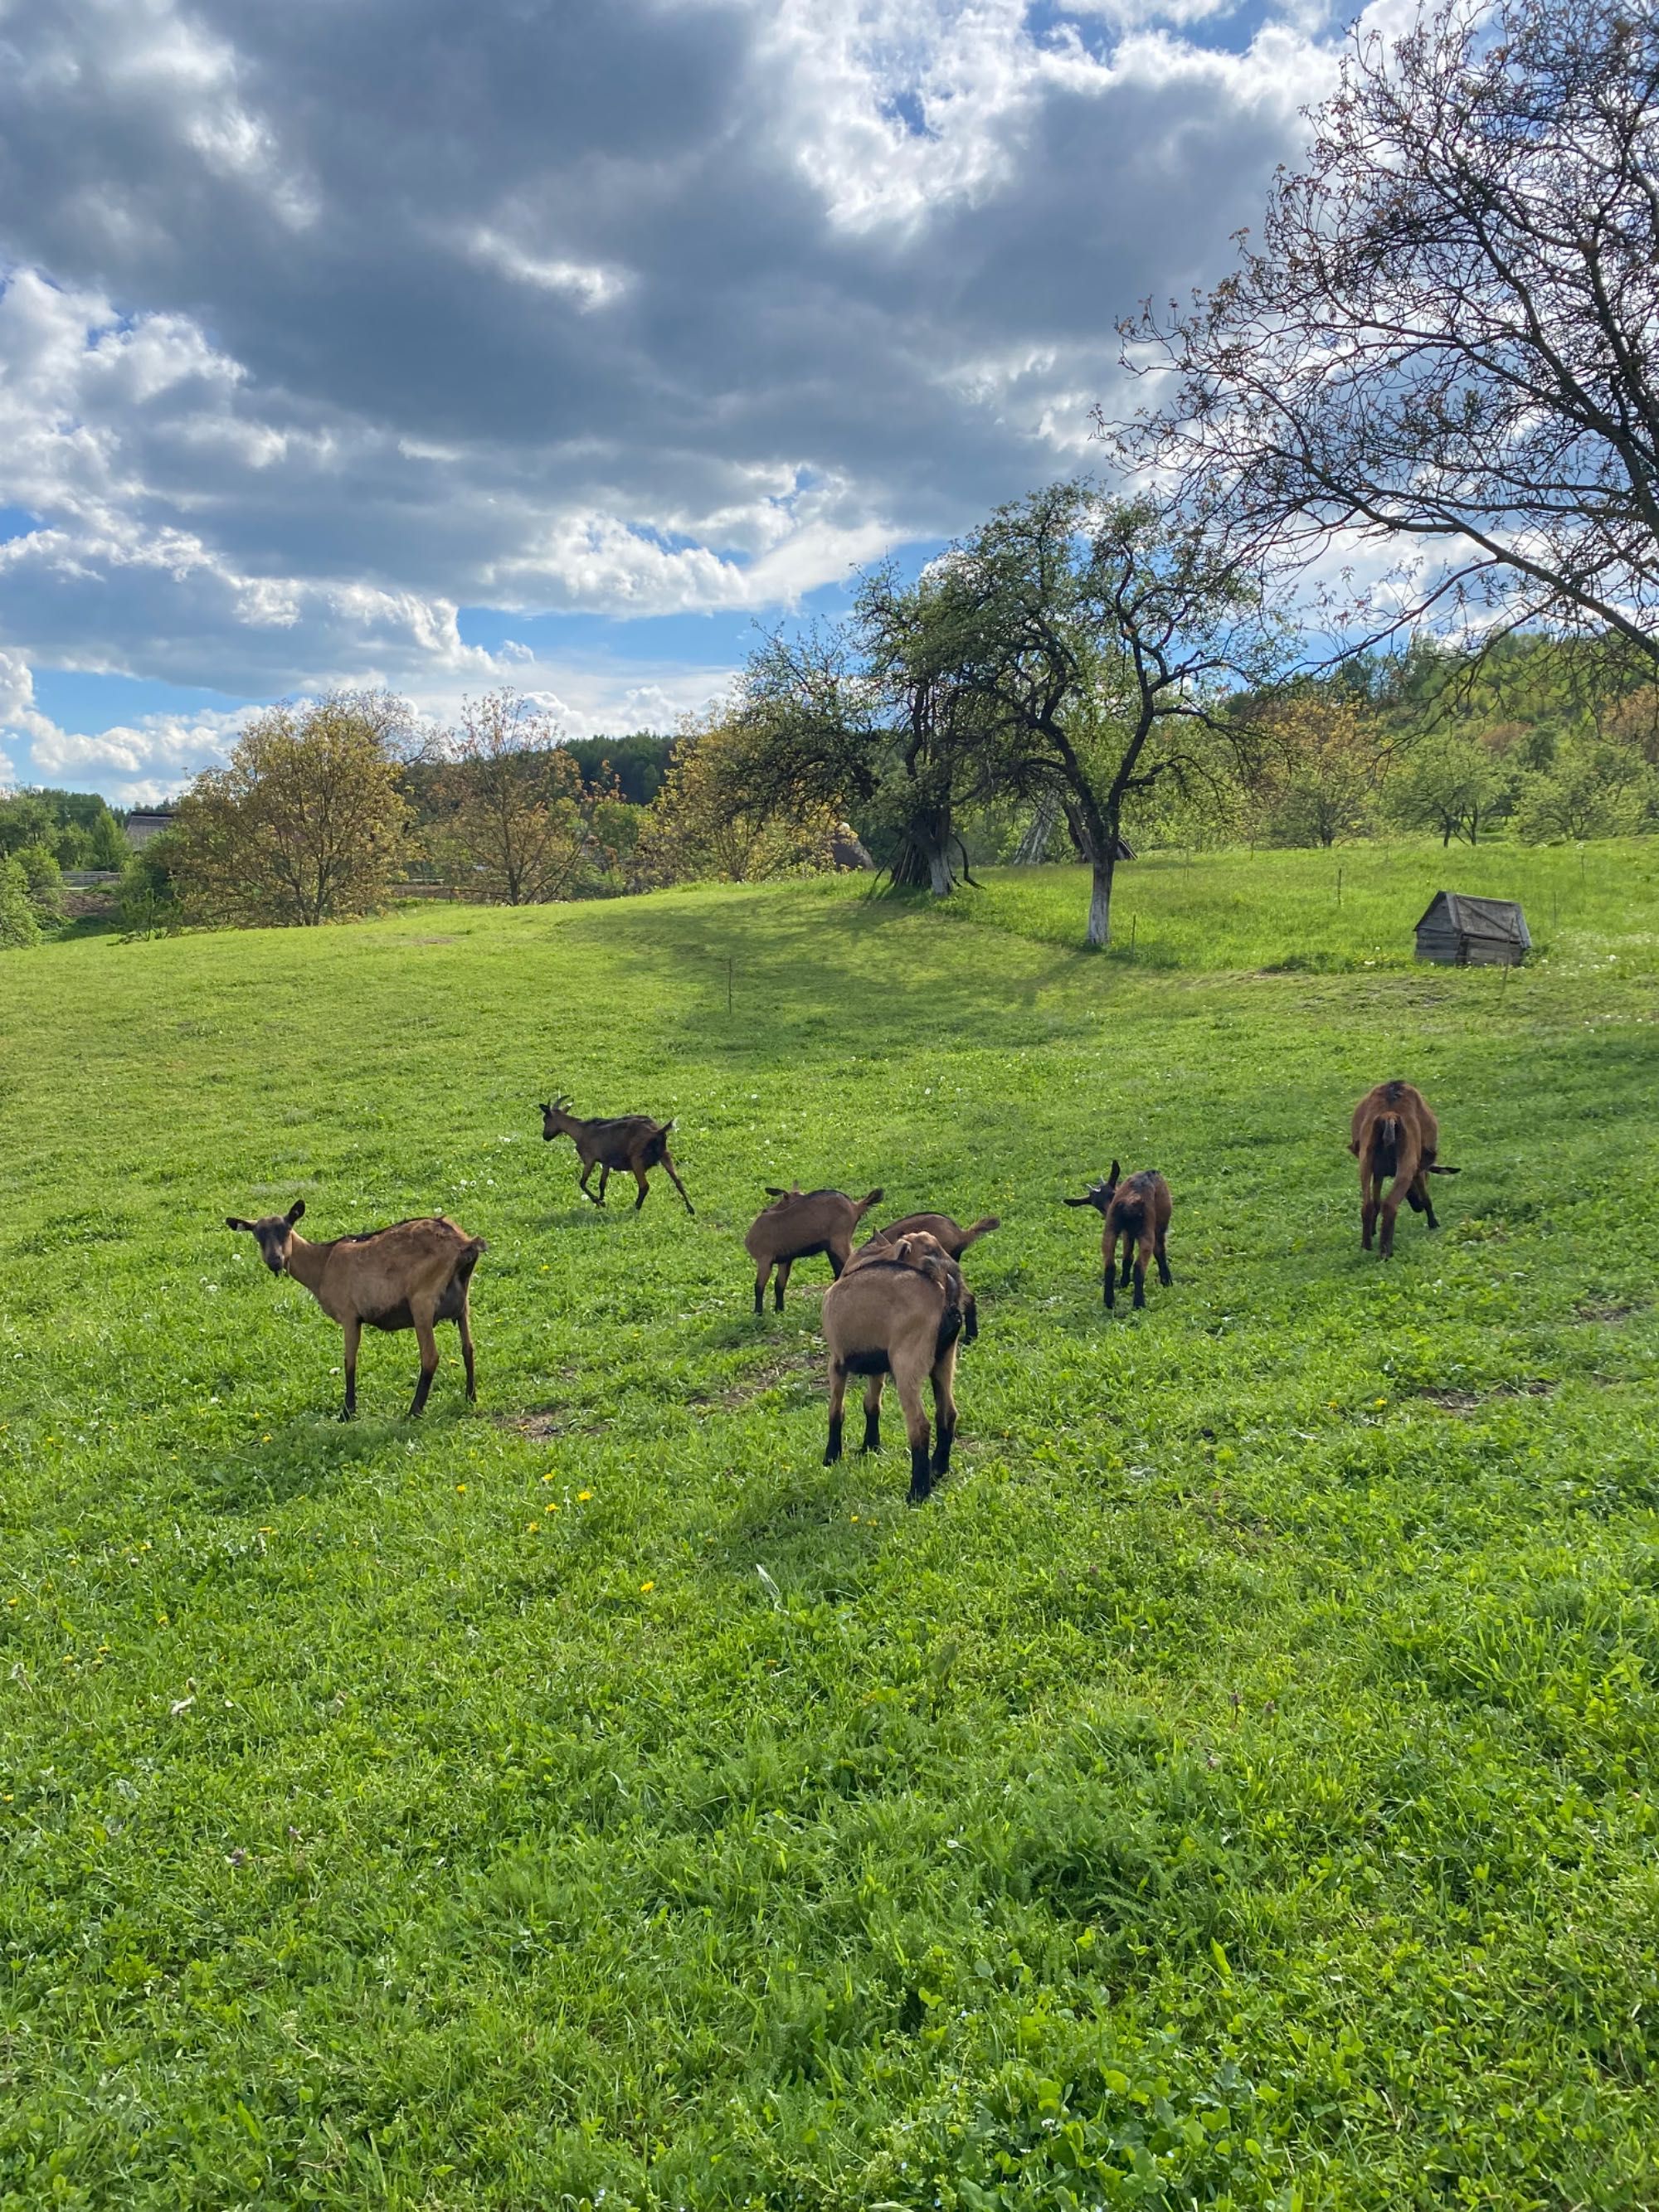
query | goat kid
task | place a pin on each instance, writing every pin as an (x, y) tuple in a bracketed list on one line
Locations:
[(412, 1275), (1393, 1133), (628, 1143), (930, 1256), (954, 1238), (898, 1311), (798, 1225), (1138, 1210)]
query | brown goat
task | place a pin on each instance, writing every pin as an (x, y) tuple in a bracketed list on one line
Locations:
[(629, 1142), (1138, 1210), (412, 1276), (954, 1238), (898, 1311), (930, 1256), (1393, 1133), (798, 1225)]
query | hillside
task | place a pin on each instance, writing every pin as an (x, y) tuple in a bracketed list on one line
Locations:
[(1233, 1788)]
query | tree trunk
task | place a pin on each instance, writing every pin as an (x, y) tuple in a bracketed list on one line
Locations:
[(939, 879), (1100, 904)]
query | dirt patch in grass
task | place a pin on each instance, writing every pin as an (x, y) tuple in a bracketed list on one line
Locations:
[(1588, 1310), (551, 1424), (1470, 1402), (758, 1381)]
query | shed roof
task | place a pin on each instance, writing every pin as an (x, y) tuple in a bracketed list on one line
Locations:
[(1480, 917)]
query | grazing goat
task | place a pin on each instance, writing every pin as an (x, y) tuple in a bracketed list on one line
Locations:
[(954, 1238), (798, 1225), (1138, 1210), (630, 1142), (898, 1311), (1395, 1134), (412, 1276)]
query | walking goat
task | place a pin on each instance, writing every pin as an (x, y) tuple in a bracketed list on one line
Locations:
[(628, 1143), (898, 1311), (1393, 1133), (412, 1275), (798, 1225), (1138, 1210)]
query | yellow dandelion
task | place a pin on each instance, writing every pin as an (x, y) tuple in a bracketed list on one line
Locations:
[(582, 1497), (460, 1486), (547, 1478), (647, 1586), (532, 1528), (550, 1509)]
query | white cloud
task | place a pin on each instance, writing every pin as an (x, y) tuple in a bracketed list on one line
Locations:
[(636, 306)]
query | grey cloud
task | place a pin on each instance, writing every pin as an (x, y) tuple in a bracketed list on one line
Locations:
[(617, 304)]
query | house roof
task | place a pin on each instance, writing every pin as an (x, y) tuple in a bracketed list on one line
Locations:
[(1480, 917)]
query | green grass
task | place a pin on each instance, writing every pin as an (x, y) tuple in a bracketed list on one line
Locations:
[(1325, 913), (1234, 1788)]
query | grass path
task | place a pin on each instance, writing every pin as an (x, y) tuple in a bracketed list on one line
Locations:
[(1235, 1789)]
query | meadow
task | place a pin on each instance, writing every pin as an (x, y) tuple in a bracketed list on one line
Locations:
[(1232, 1790)]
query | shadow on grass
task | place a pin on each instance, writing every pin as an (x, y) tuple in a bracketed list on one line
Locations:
[(307, 1456)]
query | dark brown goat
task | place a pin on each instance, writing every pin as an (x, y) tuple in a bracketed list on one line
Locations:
[(1138, 1210), (898, 1311), (412, 1276), (798, 1225), (628, 1143), (954, 1238), (1393, 1133)]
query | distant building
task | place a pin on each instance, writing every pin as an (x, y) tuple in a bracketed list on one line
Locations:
[(147, 823), (1462, 931)]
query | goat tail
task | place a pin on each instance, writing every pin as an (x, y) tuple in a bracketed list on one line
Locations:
[(981, 1228), (1385, 1144), (475, 1248), (861, 1206), (949, 1328)]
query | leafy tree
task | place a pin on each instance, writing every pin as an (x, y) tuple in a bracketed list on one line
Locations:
[(1321, 784), (630, 767), (1454, 785), (1591, 791), (1445, 336), (306, 823), (147, 896), (44, 879), (25, 819), (19, 925), (1100, 638), (509, 798), (870, 719), (700, 825)]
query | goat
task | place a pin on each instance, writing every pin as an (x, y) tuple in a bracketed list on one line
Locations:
[(412, 1276), (1393, 1133), (898, 1311), (798, 1225), (1138, 1210), (954, 1238), (630, 1142), (931, 1256)]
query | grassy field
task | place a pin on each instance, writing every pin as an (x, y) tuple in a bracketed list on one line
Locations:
[(1234, 1788)]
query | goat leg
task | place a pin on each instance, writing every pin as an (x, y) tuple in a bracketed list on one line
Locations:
[(428, 1344), (872, 1391), (353, 1330), (1163, 1274), (838, 1400), (1140, 1277), (464, 1324), (645, 1188), (1111, 1272), (582, 1186), (673, 1177)]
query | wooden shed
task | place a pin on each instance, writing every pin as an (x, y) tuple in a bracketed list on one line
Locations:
[(1462, 931)]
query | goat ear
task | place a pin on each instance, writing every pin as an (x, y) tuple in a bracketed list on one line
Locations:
[(296, 1211), (1112, 1177), (772, 1190), (544, 1108), (1077, 1201), (235, 1221)]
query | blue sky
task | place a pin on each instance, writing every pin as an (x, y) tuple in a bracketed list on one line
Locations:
[(439, 346)]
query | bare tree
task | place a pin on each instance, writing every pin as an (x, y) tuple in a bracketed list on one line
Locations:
[(510, 798), (1448, 337)]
